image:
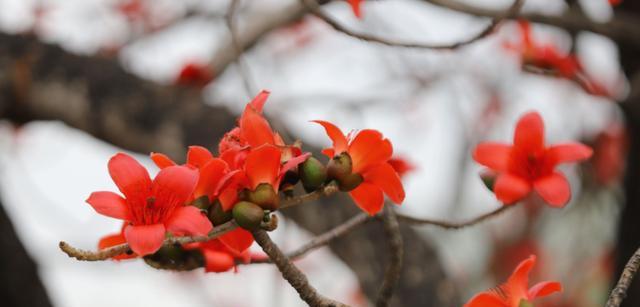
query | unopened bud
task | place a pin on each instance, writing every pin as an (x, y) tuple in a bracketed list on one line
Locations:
[(264, 196), (248, 215), (312, 173), (350, 182), (217, 215)]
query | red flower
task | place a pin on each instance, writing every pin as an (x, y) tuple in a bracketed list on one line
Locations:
[(355, 6), (615, 2), (516, 289), (401, 165), (263, 166), (218, 257), (529, 165), (151, 208), (370, 153), (193, 74)]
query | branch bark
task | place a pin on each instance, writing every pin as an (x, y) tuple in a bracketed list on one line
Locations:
[(620, 291)]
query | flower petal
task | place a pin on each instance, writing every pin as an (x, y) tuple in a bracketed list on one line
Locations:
[(161, 160), (254, 128), (293, 162), (258, 102), (529, 135), (145, 239), (544, 289), (518, 282), (262, 166), (510, 189), (336, 136), (568, 152), (355, 7), (217, 261), (238, 240), (211, 175), (486, 299), (109, 204), (385, 177), (130, 176), (369, 149), (368, 197), (188, 220), (173, 186), (329, 152), (493, 155), (198, 156), (554, 189)]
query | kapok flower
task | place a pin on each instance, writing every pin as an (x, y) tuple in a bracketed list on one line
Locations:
[(151, 208), (369, 173), (193, 74), (516, 290), (218, 257), (530, 165)]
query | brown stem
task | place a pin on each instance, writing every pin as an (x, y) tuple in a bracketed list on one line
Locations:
[(396, 251), (313, 6), (315, 195), (292, 274), (620, 291), (452, 225)]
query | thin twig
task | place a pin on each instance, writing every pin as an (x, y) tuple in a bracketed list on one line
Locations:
[(620, 291), (313, 6), (324, 238), (453, 225), (396, 252), (292, 274), (327, 190), (243, 67)]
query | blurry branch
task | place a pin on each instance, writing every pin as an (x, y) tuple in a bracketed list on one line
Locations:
[(580, 80), (451, 225), (292, 274), (242, 65), (620, 291), (396, 252), (513, 10), (315, 195), (622, 28)]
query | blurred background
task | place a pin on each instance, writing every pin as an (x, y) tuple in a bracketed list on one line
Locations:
[(83, 79)]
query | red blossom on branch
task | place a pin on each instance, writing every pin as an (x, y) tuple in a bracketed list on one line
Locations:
[(516, 290), (151, 208), (362, 162), (530, 165)]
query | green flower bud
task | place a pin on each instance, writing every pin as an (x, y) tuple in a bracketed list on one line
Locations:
[(217, 215), (313, 174), (202, 202), (248, 215), (339, 167), (264, 196)]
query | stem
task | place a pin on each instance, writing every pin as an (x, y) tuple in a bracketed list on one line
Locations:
[(620, 291), (396, 251)]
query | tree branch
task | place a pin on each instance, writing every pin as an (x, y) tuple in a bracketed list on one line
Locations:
[(452, 225), (396, 252), (292, 274), (620, 291)]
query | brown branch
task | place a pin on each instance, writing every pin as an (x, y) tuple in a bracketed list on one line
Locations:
[(327, 190), (396, 251), (292, 274), (513, 10), (452, 225), (620, 291)]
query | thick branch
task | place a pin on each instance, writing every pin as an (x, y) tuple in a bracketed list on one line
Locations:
[(513, 10), (620, 291), (292, 274), (396, 251)]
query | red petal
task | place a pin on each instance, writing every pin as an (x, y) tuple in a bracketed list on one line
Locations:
[(355, 7), (258, 102), (568, 152), (368, 197), (174, 185), (493, 155), (510, 189), (293, 162), (544, 289), (161, 160), (188, 220), (518, 282), (144, 239), (109, 204), (385, 177), (211, 175), (130, 176), (486, 299), (329, 152), (554, 189), (228, 197), (237, 240), (336, 135), (254, 128), (529, 135), (262, 166), (198, 156), (217, 261), (369, 149)]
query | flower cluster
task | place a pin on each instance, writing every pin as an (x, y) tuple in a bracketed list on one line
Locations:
[(243, 182)]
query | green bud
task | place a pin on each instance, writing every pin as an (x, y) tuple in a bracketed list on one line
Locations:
[(264, 196), (339, 167), (313, 174), (248, 215), (217, 215), (202, 202), (350, 182)]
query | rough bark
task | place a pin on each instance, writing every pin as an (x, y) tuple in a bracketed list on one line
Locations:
[(94, 94)]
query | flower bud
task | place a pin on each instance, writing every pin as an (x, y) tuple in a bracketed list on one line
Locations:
[(488, 178), (217, 215), (202, 202), (248, 215), (339, 167), (350, 182), (264, 196), (312, 173)]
